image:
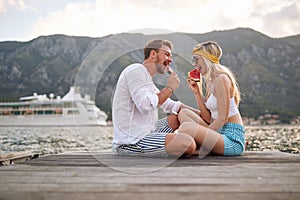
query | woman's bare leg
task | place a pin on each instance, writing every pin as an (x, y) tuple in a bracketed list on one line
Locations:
[(186, 115), (179, 144), (209, 140)]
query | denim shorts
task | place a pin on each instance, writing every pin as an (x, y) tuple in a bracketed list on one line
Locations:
[(234, 139), (152, 145)]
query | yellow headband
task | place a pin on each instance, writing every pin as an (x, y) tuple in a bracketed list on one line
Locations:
[(207, 55)]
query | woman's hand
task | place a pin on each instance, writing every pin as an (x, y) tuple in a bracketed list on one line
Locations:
[(193, 85)]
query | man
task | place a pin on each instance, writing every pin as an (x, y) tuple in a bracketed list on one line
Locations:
[(137, 130)]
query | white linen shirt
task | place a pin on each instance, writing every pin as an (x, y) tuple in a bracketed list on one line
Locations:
[(135, 105)]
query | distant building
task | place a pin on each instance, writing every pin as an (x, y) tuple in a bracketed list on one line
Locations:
[(266, 119)]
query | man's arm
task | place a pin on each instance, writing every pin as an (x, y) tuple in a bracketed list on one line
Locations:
[(166, 92), (163, 95)]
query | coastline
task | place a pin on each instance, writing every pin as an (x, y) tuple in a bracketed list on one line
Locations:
[(281, 137), (55, 140)]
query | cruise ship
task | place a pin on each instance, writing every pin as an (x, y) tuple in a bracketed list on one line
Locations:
[(42, 110)]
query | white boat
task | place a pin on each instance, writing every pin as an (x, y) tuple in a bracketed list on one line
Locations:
[(40, 110)]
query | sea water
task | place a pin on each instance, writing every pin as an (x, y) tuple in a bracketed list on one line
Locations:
[(54, 140)]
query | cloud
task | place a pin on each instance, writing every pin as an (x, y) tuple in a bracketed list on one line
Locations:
[(12, 4), (103, 17), (74, 19), (285, 20), (2, 7)]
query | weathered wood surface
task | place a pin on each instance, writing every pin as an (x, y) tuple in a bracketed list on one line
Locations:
[(255, 175), (11, 158)]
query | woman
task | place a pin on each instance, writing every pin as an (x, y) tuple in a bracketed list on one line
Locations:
[(219, 128)]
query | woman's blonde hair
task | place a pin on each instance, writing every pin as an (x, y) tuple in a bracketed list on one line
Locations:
[(211, 56)]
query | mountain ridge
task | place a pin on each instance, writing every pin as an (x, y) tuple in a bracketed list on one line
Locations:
[(266, 68)]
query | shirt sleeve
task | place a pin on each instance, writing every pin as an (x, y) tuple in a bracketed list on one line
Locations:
[(142, 90), (171, 106)]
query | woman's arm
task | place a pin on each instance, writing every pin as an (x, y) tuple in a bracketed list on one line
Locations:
[(204, 112)]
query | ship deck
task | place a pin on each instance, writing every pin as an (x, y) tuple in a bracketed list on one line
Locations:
[(84, 175)]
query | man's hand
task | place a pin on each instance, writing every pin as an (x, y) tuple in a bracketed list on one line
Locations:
[(173, 81)]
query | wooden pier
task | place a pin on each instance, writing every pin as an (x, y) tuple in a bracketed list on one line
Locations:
[(98, 175), (16, 157)]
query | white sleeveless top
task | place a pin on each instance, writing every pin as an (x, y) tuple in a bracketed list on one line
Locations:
[(211, 104)]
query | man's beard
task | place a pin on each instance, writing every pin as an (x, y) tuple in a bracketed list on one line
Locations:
[(158, 66)]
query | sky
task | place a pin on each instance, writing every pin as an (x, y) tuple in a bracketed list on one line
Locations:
[(24, 20)]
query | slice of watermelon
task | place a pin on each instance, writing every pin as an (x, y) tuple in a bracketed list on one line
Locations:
[(195, 75)]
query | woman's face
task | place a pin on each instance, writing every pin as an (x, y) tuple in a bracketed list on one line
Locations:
[(198, 62)]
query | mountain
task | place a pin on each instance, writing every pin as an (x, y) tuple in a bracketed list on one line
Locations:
[(267, 69)]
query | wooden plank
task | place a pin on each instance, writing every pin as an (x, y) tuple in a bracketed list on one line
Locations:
[(79, 175), (101, 159), (16, 157)]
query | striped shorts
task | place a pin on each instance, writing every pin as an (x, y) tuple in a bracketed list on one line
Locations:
[(234, 139), (152, 145)]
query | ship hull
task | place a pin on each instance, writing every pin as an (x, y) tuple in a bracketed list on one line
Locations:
[(39, 110)]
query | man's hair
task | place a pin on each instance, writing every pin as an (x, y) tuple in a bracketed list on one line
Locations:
[(155, 45)]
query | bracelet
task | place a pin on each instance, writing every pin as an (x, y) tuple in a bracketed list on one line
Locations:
[(171, 89)]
